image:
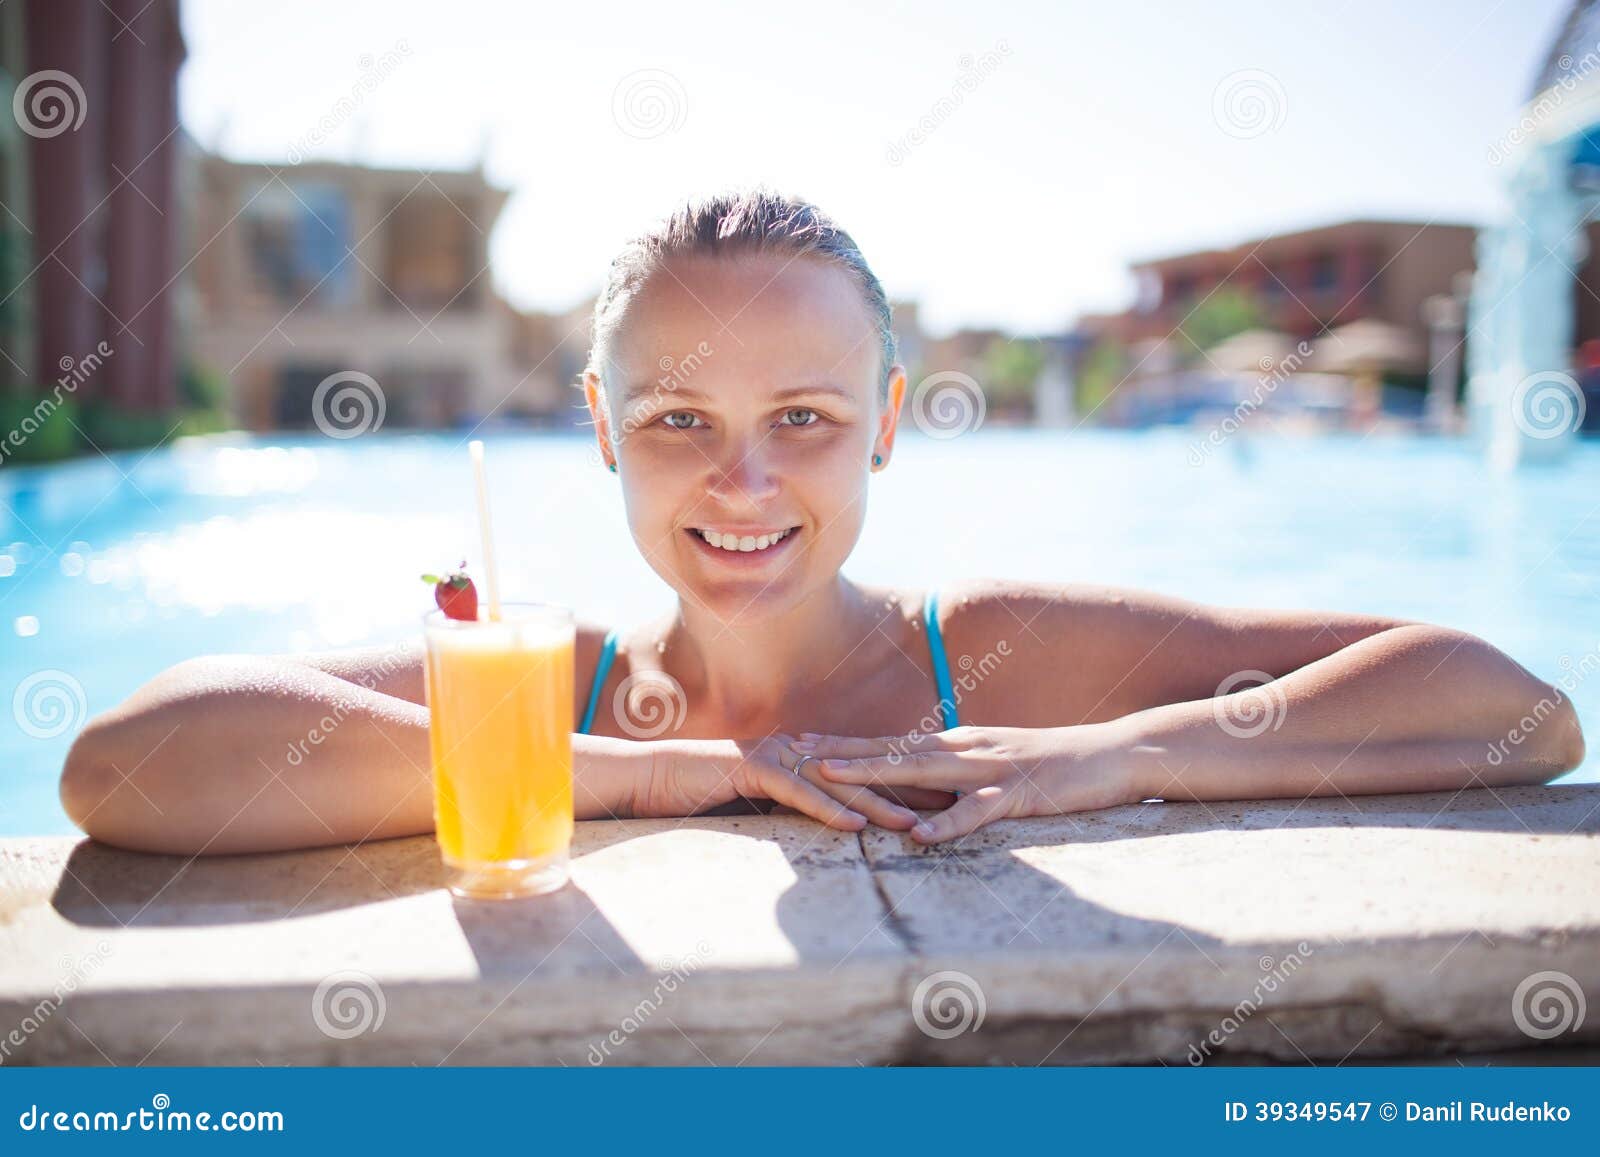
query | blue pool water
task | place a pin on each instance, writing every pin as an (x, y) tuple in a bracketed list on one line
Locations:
[(113, 569)]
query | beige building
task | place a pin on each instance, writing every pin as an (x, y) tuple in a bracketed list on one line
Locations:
[(302, 272)]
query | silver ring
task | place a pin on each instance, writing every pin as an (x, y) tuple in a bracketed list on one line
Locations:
[(802, 762)]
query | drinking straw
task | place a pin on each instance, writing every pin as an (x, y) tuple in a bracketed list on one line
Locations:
[(490, 576)]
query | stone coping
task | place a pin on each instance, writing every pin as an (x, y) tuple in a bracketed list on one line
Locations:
[(1327, 930)]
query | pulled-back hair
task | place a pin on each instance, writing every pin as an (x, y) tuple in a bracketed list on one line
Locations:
[(751, 221)]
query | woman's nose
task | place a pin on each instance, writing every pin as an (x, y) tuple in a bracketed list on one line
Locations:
[(742, 474)]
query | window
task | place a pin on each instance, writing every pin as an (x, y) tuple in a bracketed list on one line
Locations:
[(297, 240), (1324, 275)]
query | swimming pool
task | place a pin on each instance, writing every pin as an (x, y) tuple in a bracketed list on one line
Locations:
[(115, 568)]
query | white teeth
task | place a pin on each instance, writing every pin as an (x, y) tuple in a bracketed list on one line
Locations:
[(745, 543)]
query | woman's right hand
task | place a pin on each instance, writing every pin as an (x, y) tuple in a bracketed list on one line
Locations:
[(685, 777)]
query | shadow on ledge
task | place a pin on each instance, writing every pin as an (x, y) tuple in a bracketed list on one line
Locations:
[(106, 887)]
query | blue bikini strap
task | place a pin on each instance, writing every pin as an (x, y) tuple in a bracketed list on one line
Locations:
[(608, 651), (941, 666)]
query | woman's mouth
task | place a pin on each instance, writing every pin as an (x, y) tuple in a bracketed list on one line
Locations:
[(741, 544)]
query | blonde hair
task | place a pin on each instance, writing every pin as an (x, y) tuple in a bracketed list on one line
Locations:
[(751, 221)]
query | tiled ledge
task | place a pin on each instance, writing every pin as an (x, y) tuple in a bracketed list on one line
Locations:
[(1397, 926)]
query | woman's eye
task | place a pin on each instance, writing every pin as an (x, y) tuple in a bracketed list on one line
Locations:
[(800, 417), (680, 420)]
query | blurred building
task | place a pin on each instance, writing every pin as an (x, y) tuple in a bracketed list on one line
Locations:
[(548, 352), (910, 340), (1308, 281), (299, 273), (88, 157)]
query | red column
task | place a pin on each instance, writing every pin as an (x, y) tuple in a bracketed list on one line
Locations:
[(64, 35), (141, 237)]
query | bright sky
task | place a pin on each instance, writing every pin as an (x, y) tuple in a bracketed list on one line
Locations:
[(1103, 134)]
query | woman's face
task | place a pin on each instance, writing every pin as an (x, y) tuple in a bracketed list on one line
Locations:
[(743, 416)]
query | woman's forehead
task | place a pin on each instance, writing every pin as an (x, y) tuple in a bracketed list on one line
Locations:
[(732, 315)]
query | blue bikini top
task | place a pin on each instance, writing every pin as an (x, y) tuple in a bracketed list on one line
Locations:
[(930, 619)]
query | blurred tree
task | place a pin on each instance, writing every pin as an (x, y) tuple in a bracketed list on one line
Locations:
[(1102, 371), (1011, 369), (1226, 312)]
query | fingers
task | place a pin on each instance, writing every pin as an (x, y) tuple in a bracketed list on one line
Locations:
[(944, 770), (781, 785), (880, 810), (852, 747), (967, 814), (923, 798)]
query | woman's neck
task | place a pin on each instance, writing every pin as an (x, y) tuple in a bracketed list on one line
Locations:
[(746, 671)]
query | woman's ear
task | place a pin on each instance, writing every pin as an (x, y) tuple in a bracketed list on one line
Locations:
[(889, 421), (594, 394)]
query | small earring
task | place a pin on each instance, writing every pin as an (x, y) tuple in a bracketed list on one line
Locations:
[(877, 459), (611, 466)]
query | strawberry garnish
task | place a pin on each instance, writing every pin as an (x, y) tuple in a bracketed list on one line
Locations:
[(455, 594)]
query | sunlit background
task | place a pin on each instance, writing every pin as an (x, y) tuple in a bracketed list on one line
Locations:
[(1094, 142), (1241, 302)]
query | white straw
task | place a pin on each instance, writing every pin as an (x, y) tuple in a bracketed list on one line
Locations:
[(490, 577)]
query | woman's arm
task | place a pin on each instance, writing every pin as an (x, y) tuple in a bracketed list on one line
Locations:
[(236, 753), (1412, 708), (1294, 705), (248, 753), (242, 753)]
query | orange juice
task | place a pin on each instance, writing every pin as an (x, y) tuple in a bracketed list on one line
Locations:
[(500, 728)]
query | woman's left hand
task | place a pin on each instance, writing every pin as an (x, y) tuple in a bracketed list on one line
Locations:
[(1001, 772)]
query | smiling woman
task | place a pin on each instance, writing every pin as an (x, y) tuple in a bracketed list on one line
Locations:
[(745, 388)]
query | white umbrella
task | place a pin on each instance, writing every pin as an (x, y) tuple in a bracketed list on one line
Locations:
[(1255, 351), (1368, 347)]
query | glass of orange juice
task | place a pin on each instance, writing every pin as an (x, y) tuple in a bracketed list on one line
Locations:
[(500, 728)]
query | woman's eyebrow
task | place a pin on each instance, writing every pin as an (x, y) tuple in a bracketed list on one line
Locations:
[(814, 389), (681, 391)]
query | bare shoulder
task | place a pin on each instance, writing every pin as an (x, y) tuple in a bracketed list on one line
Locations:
[(1063, 653), (985, 612)]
